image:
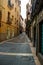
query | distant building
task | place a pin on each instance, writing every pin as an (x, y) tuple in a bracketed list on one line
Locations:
[(28, 13), (22, 23), (9, 18)]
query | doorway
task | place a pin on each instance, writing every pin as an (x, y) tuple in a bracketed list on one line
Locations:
[(34, 36), (41, 37)]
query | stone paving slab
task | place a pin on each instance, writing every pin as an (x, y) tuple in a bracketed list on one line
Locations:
[(16, 60), (15, 48), (22, 38)]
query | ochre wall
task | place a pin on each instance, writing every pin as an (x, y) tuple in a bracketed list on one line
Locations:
[(9, 31)]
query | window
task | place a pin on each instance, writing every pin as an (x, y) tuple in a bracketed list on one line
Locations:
[(15, 9), (0, 24), (12, 17), (9, 3), (0, 15), (17, 22), (8, 16), (15, 19), (9, 19)]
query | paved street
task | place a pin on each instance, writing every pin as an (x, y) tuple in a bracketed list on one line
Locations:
[(16, 52)]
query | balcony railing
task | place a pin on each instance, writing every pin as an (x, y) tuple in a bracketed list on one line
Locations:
[(10, 5)]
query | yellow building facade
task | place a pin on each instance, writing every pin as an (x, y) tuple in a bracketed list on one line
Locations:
[(9, 19)]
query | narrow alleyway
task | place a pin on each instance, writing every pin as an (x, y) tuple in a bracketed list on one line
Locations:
[(17, 52)]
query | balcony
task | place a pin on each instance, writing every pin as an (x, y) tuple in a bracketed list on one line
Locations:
[(10, 5)]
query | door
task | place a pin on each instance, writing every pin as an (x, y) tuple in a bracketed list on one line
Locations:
[(41, 37), (34, 36)]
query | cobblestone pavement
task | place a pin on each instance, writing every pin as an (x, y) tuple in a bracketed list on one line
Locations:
[(16, 52)]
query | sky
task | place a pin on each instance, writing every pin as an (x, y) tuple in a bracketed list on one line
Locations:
[(23, 7)]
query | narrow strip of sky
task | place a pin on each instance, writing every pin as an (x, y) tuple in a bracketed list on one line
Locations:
[(23, 8)]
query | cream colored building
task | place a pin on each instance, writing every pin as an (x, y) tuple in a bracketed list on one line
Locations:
[(9, 18), (28, 11)]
